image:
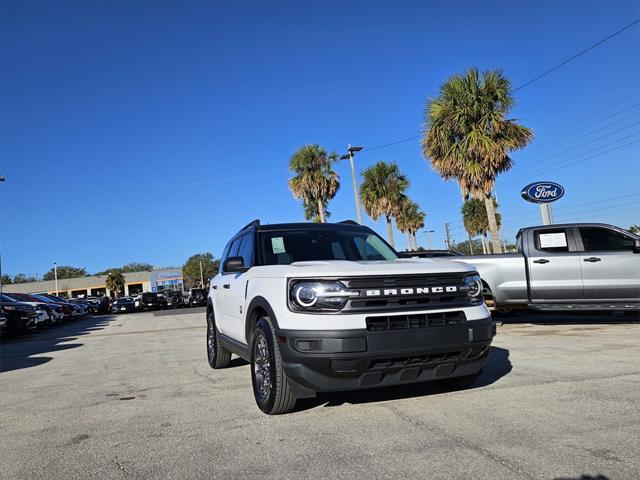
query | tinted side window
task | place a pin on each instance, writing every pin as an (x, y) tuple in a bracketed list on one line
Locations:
[(235, 247), (554, 241), (225, 254), (599, 239), (246, 249)]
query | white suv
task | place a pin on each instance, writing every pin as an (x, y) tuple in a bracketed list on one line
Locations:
[(332, 307)]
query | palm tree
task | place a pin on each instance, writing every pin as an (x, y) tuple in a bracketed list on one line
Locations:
[(115, 282), (403, 221), (469, 138), (382, 192), (476, 222), (315, 182), (409, 220)]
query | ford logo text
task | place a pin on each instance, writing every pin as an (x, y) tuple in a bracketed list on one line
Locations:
[(542, 192)]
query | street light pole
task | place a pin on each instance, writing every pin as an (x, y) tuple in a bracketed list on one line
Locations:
[(429, 232), (55, 275), (1, 180), (356, 195), (201, 276)]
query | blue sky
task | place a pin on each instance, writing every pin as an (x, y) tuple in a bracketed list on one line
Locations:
[(150, 131)]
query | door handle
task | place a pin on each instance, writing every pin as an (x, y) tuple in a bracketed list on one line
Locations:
[(227, 285), (215, 287), (542, 260), (592, 259)]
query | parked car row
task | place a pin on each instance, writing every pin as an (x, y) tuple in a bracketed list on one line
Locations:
[(159, 301), (21, 312)]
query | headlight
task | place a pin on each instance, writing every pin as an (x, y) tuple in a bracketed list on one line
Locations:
[(473, 285), (319, 295)]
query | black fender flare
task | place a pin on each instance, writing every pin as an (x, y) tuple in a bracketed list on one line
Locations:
[(258, 302)]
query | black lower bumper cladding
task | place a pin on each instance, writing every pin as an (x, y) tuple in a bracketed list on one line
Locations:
[(321, 361)]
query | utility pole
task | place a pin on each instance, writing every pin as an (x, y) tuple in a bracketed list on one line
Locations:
[(55, 275), (201, 276), (447, 234), (356, 194)]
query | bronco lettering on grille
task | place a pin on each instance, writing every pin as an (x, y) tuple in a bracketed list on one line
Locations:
[(409, 291)]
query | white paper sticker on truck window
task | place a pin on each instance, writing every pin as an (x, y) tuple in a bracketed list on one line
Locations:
[(277, 244), (553, 240)]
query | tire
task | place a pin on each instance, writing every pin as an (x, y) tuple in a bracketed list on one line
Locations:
[(460, 383), (217, 355), (270, 385)]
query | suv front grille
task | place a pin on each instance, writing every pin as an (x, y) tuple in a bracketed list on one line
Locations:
[(422, 320), (406, 292)]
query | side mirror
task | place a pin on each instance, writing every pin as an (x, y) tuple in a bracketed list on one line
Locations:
[(233, 264), (636, 245)]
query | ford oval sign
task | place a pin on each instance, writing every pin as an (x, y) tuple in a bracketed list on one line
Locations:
[(542, 192)]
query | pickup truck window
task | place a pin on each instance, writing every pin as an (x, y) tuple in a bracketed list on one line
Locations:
[(552, 240), (602, 239)]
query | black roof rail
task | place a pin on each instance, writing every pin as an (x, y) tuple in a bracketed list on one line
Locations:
[(255, 223), (349, 222)]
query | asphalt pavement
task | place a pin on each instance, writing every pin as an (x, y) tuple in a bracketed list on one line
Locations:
[(132, 396)]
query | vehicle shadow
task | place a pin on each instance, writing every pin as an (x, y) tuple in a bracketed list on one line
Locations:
[(567, 318), (18, 353), (497, 367)]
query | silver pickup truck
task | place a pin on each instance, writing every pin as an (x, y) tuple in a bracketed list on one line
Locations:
[(579, 266)]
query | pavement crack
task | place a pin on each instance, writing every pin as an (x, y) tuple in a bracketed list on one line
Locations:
[(120, 467), (459, 440)]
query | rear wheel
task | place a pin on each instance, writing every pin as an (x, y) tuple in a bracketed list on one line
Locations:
[(270, 385), (216, 354)]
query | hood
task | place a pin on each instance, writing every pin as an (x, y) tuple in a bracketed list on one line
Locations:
[(344, 268)]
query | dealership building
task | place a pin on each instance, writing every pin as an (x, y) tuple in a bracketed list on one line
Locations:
[(157, 280)]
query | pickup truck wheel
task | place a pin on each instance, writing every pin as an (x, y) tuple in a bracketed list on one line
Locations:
[(216, 354), (460, 383), (270, 385)]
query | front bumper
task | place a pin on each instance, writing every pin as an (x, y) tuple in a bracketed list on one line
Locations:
[(340, 360)]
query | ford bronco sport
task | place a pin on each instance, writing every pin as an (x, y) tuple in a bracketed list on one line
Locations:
[(332, 307)]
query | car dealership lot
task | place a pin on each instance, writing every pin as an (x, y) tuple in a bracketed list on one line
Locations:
[(132, 396)]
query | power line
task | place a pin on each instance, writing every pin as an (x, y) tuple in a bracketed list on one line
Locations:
[(535, 79), (579, 54)]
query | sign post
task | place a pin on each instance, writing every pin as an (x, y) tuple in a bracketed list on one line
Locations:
[(543, 193)]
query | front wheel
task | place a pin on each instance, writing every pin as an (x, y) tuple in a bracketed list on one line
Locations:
[(216, 354), (270, 385)]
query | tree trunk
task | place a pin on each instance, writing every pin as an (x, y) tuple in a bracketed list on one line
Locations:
[(484, 244), (408, 241), (390, 232), (493, 225), (320, 210), (470, 244), (415, 241)]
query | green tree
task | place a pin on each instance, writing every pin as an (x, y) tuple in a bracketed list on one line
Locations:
[(191, 269), (115, 282), (474, 217), (65, 271), (382, 192), (409, 220), (136, 267), (634, 229), (467, 248), (315, 182), (6, 279), (311, 211), (468, 137), (22, 278)]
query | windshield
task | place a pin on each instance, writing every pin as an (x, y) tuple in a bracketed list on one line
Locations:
[(285, 247), (6, 298)]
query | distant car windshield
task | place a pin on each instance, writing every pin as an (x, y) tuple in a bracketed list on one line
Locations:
[(285, 247), (6, 298)]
